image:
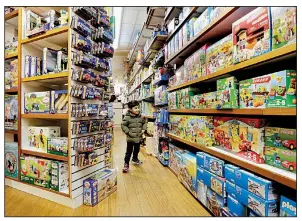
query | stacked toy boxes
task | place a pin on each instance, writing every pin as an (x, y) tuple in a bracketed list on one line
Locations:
[(173, 162), (250, 191), (59, 176), (288, 207), (183, 97), (11, 112), (11, 159), (211, 183)]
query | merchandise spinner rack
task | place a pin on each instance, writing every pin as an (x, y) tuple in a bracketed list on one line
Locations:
[(56, 39)]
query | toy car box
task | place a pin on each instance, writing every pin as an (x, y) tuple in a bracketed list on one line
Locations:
[(225, 212), (172, 100), (284, 26), (252, 35), (38, 136), (227, 83), (58, 146), (59, 176), (59, 101), (11, 159), (213, 181), (219, 55), (210, 163), (236, 208), (288, 207), (241, 136), (201, 192), (280, 148), (11, 112), (215, 202), (37, 102), (256, 185), (187, 171), (183, 96), (230, 172), (99, 186), (227, 99)]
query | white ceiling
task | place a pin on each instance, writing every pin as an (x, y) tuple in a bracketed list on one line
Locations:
[(132, 22)]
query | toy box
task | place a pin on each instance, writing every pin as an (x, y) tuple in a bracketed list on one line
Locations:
[(241, 136), (163, 152), (208, 100), (38, 136), (219, 55), (230, 172), (173, 163), (227, 83), (37, 102), (236, 208), (172, 100), (49, 60), (210, 163), (195, 101), (99, 186), (58, 146), (227, 99), (211, 180), (202, 21), (187, 171), (252, 35), (230, 188), (183, 97), (281, 148), (11, 112), (178, 125), (252, 213), (215, 202), (225, 212), (284, 26), (11, 46), (201, 192), (11, 159), (59, 176), (161, 95), (11, 75), (288, 207), (59, 101), (256, 185)]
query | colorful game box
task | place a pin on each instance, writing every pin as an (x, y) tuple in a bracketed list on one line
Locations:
[(227, 83), (227, 99), (241, 136), (196, 101), (37, 102), (281, 148), (11, 159), (208, 100), (230, 172), (252, 35), (178, 125), (203, 60), (38, 136), (11, 112), (172, 158), (161, 95), (201, 192), (59, 176), (163, 152), (215, 202), (172, 100), (288, 207), (59, 101), (236, 208), (58, 146), (11, 75), (90, 192), (284, 26), (183, 97), (210, 163)]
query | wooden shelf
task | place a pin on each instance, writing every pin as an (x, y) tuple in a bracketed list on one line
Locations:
[(10, 56), (12, 90), (155, 16), (284, 177), (10, 178), (262, 59), (149, 98), (44, 155), (12, 14), (149, 117), (46, 77), (47, 34), (172, 13), (45, 116), (255, 111), (157, 42), (11, 131)]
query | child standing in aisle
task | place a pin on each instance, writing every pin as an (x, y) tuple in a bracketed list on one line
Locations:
[(134, 126)]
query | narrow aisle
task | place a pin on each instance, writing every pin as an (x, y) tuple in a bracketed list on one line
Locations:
[(147, 190)]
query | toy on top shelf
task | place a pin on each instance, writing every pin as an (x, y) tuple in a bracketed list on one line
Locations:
[(284, 26), (252, 35), (101, 20), (215, 12), (85, 12), (37, 102), (202, 21), (281, 147), (11, 112), (288, 207), (11, 75), (11, 159)]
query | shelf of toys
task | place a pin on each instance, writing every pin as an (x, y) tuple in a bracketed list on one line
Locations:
[(64, 87)]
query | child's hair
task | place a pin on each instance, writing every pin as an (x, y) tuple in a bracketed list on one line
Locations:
[(132, 104)]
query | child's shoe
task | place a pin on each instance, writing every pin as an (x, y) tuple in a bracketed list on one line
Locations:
[(126, 168), (137, 162)]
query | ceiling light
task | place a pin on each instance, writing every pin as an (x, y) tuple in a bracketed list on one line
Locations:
[(117, 13)]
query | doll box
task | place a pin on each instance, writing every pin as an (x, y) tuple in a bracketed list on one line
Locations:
[(11, 159), (58, 146), (11, 112), (227, 99), (227, 83), (252, 35), (38, 136), (288, 207), (210, 163), (236, 208), (37, 102), (187, 171)]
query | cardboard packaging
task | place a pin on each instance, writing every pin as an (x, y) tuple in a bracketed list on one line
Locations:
[(59, 176), (172, 158), (236, 208), (227, 83), (210, 163), (227, 99), (37, 102), (215, 202), (11, 160), (288, 207), (187, 172), (230, 172), (58, 146), (11, 112), (202, 192), (172, 100), (225, 212), (183, 97), (59, 101)]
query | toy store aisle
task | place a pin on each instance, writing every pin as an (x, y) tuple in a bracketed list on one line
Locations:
[(147, 190)]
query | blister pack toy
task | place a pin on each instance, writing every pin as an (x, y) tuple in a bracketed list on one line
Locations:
[(81, 26)]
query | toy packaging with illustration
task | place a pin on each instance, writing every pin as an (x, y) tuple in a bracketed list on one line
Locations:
[(11, 75), (59, 101), (251, 35), (172, 158), (281, 148), (284, 25), (236, 208), (241, 136), (11, 159), (225, 212), (37, 102), (227, 99), (215, 202), (230, 172), (172, 100), (11, 112), (59, 176), (183, 97), (58, 146), (163, 151), (201, 192), (208, 101), (288, 207), (227, 83), (210, 163)]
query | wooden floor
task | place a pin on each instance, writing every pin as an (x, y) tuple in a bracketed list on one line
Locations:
[(147, 190)]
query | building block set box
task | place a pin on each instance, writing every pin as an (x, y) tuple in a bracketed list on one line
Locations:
[(281, 148), (58, 146), (227, 99), (59, 176), (215, 202), (99, 186), (236, 208), (225, 212), (11, 159), (59, 101), (183, 97), (252, 35), (241, 136), (37, 102), (284, 26), (210, 163), (172, 100), (230, 172), (187, 171), (288, 207), (11, 112), (227, 83)]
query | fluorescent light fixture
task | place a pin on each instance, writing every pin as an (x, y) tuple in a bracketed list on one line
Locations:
[(117, 13)]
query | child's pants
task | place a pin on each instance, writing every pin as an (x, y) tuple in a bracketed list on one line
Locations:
[(132, 147)]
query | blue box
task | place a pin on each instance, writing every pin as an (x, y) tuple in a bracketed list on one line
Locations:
[(215, 202), (252, 214), (230, 188), (225, 212), (230, 172), (213, 181), (288, 207), (90, 192), (236, 208), (201, 192), (210, 163), (257, 185)]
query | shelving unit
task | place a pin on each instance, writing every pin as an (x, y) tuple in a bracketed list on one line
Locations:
[(12, 15), (45, 155), (10, 56), (45, 116), (172, 13)]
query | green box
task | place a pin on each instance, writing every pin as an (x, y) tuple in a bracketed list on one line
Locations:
[(227, 83), (57, 146), (183, 97), (208, 100), (227, 99), (281, 148), (172, 100), (37, 102), (195, 101)]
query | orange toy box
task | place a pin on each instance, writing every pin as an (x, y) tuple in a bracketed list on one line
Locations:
[(241, 136)]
